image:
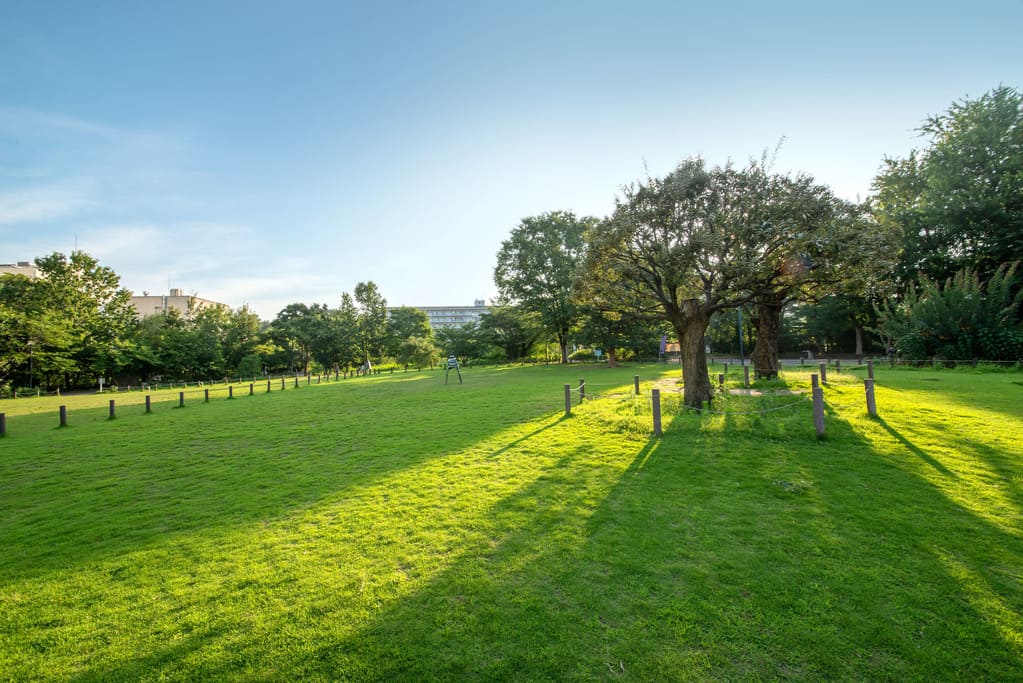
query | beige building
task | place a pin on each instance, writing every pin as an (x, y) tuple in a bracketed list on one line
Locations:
[(454, 316), (185, 304), (20, 268)]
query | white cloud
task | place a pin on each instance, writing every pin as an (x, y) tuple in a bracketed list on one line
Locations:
[(38, 203)]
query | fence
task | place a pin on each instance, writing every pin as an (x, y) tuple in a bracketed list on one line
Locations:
[(816, 396), (198, 389)]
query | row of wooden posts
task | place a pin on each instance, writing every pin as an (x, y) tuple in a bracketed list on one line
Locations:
[(823, 367), (62, 413), (817, 393)]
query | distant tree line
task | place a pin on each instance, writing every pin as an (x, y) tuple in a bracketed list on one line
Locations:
[(712, 257)]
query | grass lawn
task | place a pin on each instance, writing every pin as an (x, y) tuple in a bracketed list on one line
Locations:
[(392, 528)]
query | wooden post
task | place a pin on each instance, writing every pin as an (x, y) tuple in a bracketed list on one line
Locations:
[(308, 378), (206, 393), (868, 385), (230, 391), (814, 383), (113, 410), (3, 424), (282, 383), (838, 367), (582, 390), (268, 386), (635, 383), (818, 411), (181, 399), (726, 369), (63, 416), (824, 373), (296, 380), (870, 369), (745, 376), (568, 400), (149, 404), (252, 388), (657, 411), (721, 380)]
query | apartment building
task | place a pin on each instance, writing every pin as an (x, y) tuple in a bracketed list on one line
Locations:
[(187, 305), (454, 316)]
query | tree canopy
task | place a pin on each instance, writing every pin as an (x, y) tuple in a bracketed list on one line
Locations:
[(958, 202), (536, 267)]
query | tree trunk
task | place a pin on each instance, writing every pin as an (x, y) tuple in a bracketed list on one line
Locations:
[(765, 353), (563, 343), (859, 338), (691, 328), (612, 359)]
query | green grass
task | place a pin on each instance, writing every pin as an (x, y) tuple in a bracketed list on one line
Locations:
[(393, 528)]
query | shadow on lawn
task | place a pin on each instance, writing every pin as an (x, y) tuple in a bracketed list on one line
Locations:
[(914, 449), (689, 560), (697, 564), (182, 476)]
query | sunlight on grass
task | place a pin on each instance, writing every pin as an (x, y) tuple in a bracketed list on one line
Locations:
[(393, 528)]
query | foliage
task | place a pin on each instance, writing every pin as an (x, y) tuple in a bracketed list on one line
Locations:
[(250, 366), (815, 245), (419, 352), (404, 323), (462, 341), (683, 247), (69, 327), (963, 319), (536, 267), (958, 203), (613, 332), (372, 324), (511, 329)]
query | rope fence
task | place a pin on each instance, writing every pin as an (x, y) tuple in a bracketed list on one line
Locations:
[(206, 390), (818, 401)]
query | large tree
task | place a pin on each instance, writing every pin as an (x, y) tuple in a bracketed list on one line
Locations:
[(536, 267), (813, 245), (404, 323), (78, 322), (372, 308), (679, 249), (958, 202)]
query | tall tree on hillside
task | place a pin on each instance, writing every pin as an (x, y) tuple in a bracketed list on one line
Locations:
[(536, 267), (958, 203)]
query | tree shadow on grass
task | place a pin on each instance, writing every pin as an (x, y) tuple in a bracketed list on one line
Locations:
[(683, 558), (76, 496), (914, 449)]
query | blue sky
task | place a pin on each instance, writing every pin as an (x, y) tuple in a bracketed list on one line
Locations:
[(268, 153)]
